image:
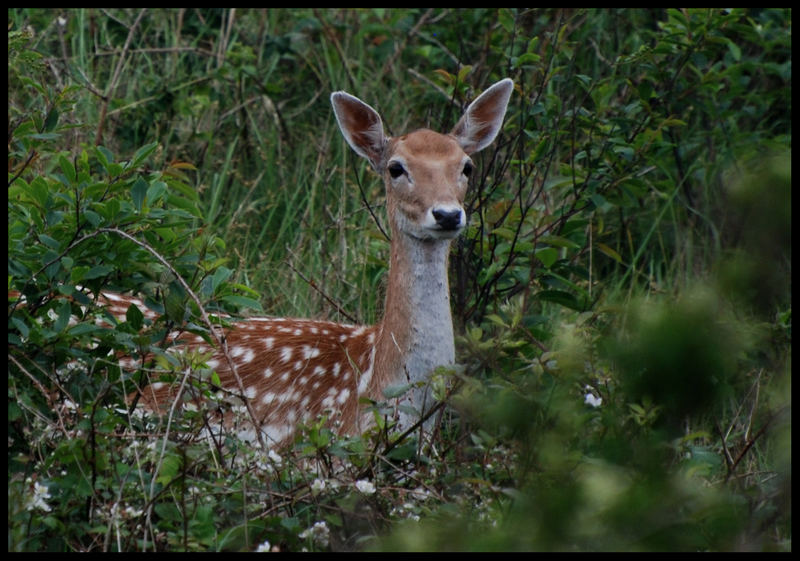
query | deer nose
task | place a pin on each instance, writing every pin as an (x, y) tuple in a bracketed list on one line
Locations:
[(448, 219)]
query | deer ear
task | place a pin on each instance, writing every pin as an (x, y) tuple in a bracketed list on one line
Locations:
[(484, 117), (361, 126)]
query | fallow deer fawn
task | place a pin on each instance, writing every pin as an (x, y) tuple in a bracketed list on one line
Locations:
[(291, 370)]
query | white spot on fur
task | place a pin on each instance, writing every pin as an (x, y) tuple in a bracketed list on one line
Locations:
[(276, 433), (248, 435), (310, 352), (366, 376), (248, 357)]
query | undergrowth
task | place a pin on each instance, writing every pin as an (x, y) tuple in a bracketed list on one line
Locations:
[(622, 296)]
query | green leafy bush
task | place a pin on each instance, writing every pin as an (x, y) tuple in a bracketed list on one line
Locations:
[(622, 295)]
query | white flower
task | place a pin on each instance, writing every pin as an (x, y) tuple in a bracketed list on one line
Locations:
[(275, 457), (263, 547), (420, 494), (133, 512), (319, 534), (317, 487), (38, 500), (590, 399), (365, 486)]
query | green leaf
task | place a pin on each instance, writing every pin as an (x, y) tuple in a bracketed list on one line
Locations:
[(242, 302), (98, 271), (114, 169), (547, 256), (52, 120), (609, 252), (49, 242), (494, 318), (64, 313), (735, 50), (526, 58), (44, 136), (141, 155), (93, 218), (139, 193), (134, 317), (504, 233), (560, 297), (67, 168), (170, 468), (21, 325), (390, 392), (464, 72), (156, 191), (103, 156), (39, 190), (559, 241), (220, 275), (291, 523), (168, 510), (84, 328)]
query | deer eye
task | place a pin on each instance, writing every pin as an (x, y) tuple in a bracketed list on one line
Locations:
[(468, 167), (396, 169)]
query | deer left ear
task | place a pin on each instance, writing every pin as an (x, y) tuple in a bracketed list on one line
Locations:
[(361, 126), (484, 117)]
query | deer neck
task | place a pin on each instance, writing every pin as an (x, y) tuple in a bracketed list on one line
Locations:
[(416, 334)]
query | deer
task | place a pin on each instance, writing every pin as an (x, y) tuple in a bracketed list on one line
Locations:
[(288, 371)]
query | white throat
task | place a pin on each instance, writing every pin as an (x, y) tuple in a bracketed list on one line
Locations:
[(421, 328)]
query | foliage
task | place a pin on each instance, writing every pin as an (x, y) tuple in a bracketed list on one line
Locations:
[(622, 295)]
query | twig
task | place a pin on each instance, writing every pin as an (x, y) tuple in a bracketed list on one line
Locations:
[(399, 47), (218, 337), (312, 284), (115, 79)]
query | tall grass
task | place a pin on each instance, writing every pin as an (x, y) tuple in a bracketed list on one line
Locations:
[(622, 296)]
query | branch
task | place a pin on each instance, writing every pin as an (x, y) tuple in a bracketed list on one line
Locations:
[(115, 79)]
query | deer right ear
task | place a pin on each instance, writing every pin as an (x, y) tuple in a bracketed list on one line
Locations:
[(361, 126), (483, 118)]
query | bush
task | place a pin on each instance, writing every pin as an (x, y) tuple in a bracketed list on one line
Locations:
[(622, 295)]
